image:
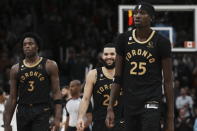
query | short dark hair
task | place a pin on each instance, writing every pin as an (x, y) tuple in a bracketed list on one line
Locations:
[(33, 35), (109, 45)]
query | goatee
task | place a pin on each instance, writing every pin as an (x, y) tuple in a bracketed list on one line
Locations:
[(109, 66)]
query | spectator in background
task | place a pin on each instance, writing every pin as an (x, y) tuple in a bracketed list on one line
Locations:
[(5, 61), (177, 88), (75, 65), (2, 107), (184, 101), (184, 73), (183, 122), (195, 119), (6, 79), (194, 81)]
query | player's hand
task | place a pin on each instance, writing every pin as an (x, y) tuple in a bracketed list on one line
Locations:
[(62, 124), (110, 118), (7, 127), (55, 125), (80, 124), (169, 124)]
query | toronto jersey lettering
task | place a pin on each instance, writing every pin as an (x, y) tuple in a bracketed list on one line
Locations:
[(101, 94), (142, 70), (33, 83)]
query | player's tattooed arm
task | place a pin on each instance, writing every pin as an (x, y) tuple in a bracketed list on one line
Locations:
[(11, 102)]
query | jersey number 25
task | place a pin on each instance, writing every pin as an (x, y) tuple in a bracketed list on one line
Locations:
[(140, 65)]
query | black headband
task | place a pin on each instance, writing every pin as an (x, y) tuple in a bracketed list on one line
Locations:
[(147, 7)]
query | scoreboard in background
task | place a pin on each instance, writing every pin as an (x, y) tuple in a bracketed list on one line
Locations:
[(178, 23)]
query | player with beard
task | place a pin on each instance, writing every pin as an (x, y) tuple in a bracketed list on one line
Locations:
[(98, 84), (31, 81)]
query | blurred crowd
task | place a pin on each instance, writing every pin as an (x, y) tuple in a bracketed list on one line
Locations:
[(185, 85), (74, 33)]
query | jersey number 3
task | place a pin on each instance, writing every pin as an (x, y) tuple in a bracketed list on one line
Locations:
[(31, 86), (141, 66)]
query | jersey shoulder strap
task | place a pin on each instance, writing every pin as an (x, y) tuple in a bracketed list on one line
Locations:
[(20, 65), (99, 73)]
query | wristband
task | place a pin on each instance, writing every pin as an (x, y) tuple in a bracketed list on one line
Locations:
[(5, 126)]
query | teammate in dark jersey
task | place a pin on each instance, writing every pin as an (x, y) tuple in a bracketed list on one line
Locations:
[(31, 81), (142, 56), (98, 85)]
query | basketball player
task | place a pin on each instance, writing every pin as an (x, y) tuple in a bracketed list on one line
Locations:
[(98, 83), (72, 108), (31, 81), (142, 56)]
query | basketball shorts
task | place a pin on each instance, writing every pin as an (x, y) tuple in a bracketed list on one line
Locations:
[(33, 117)]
